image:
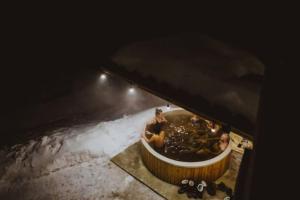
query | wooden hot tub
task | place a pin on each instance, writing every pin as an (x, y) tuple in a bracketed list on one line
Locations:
[(173, 171)]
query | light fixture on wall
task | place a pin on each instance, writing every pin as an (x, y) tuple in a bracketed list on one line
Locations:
[(131, 90), (103, 77)]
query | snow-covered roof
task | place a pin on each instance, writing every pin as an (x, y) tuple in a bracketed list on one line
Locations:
[(224, 76)]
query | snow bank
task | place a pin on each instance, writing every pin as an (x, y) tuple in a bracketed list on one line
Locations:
[(200, 66), (70, 147)]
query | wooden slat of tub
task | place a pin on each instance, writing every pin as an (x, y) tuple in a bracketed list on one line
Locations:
[(153, 162), (191, 173), (174, 174), (196, 174), (210, 172), (215, 169), (171, 174), (203, 173), (177, 176), (168, 173), (161, 169), (218, 170), (224, 166)]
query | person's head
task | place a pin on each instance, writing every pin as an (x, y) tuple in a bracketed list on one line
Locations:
[(224, 137), (158, 112), (211, 124), (148, 134), (195, 117)]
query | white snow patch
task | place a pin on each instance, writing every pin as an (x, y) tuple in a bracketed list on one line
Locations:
[(74, 163), (71, 147)]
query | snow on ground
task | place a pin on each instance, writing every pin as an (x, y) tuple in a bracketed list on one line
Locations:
[(74, 163)]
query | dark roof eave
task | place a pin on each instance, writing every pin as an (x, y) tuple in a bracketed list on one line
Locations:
[(193, 103)]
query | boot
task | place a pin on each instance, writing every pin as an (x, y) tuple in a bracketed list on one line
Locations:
[(221, 186), (200, 189), (183, 187), (190, 190), (228, 191), (211, 188)]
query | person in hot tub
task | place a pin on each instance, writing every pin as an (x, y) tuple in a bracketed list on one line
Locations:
[(154, 133), (224, 141), (195, 119), (217, 148)]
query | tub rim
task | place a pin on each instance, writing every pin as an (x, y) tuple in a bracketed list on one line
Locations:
[(177, 163), (187, 164)]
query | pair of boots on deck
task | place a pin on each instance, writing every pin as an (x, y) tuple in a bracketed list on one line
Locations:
[(196, 190)]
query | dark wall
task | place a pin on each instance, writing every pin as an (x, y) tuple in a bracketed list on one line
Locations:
[(45, 51)]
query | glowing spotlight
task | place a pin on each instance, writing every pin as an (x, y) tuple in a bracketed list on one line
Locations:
[(131, 90), (103, 77), (213, 130)]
